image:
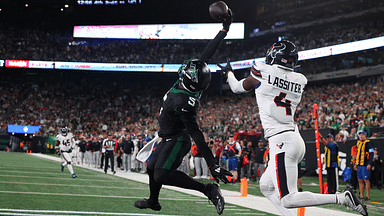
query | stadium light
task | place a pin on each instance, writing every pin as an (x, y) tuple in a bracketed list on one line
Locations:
[(62, 9), (26, 5), (66, 6)]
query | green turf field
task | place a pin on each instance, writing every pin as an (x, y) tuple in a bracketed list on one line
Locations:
[(375, 205), (29, 183)]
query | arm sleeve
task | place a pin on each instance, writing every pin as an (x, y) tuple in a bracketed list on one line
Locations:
[(194, 131), (211, 48), (235, 85)]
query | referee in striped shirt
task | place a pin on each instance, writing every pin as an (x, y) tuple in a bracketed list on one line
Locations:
[(109, 145)]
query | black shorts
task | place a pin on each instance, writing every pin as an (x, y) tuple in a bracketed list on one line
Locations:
[(170, 153)]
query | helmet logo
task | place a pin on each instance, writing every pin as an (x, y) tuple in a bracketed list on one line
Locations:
[(276, 49), (283, 53), (193, 73)]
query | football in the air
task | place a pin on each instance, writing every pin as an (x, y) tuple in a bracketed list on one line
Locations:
[(218, 10)]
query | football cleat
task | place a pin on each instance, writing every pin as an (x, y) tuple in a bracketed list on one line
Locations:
[(74, 175), (353, 202), (212, 191), (62, 168), (146, 203)]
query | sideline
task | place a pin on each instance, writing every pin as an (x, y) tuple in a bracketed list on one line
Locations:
[(232, 197)]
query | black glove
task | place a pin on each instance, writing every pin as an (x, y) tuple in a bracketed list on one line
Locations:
[(227, 68), (219, 173), (227, 20)]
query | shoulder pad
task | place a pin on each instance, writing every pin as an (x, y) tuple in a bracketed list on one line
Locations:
[(255, 71)]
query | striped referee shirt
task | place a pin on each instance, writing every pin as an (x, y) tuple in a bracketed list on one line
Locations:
[(111, 144)]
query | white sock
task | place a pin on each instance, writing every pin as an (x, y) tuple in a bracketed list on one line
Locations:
[(340, 199), (70, 169), (307, 199)]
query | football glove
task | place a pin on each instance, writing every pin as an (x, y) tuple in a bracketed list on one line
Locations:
[(227, 20), (226, 69), (219, 174)]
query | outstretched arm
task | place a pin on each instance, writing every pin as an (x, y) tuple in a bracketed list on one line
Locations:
[(243, 85), (211, 48)]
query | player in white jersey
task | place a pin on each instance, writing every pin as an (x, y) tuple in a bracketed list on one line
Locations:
[(66, 142), (75, 153), (278, 92)]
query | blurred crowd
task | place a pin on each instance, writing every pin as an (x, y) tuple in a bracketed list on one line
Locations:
[(282, 13), (92, 106), (42, 43)]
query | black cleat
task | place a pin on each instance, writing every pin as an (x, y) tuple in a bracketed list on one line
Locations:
[(146, 203), (212, 191), (353, 202), (62, 168), (74, 175)]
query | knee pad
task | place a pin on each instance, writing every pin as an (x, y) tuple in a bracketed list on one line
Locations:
[(286, 201), (266, 187)]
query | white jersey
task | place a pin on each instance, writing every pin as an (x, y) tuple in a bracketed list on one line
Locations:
[(277, 96), (76, 145), (66, 142)]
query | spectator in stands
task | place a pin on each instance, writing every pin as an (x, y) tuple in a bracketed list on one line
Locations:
[(344, 134), (363, 127), (353, 134), (374, 136)]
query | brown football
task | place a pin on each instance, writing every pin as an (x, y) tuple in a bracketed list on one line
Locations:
[(218, 9)]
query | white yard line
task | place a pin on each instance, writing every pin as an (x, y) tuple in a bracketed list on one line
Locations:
[(68, 185), (43, 173), (71, 212), (69, 178), (92, 195), (232, 197)]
